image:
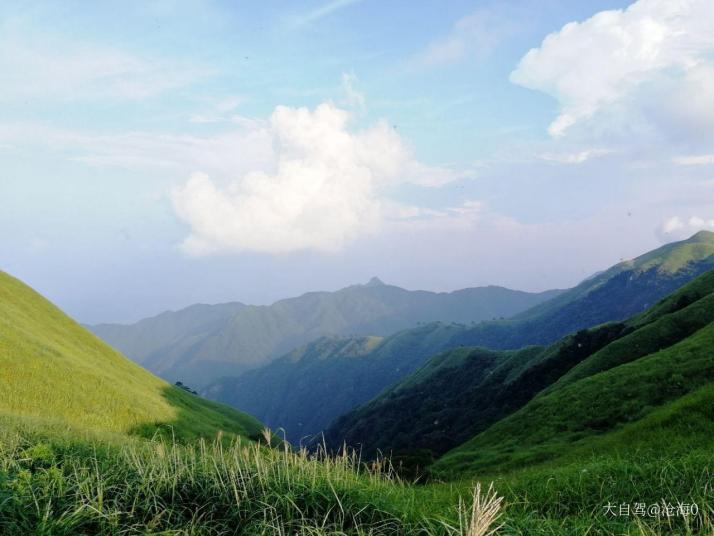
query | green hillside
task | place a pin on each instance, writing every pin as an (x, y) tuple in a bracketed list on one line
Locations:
[(204, 342), (461, 393), (570, 416), (304, 392), (52, 368), (620, 398)]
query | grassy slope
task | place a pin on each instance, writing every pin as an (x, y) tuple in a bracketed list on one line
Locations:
[(53, 368), (573, 414), (66, 482)]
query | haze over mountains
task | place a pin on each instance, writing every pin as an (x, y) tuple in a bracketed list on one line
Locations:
[(204, 342), (304, 391)]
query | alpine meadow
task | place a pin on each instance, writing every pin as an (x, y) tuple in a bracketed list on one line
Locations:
[(357, 268)]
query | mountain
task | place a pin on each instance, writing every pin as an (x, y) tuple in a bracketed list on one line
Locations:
[(305, 390), (318, 385), (658, 402), (205, 342), (53, 369), (541, 398)]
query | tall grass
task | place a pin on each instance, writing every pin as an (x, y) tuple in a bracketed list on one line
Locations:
[(62, 486), (78, 482)]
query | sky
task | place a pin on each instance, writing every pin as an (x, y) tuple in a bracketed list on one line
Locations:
[(156, 154)]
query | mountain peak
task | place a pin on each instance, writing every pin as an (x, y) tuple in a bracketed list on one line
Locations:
[(702, 236), (375, 282)]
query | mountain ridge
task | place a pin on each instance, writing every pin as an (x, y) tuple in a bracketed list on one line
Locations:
[(206, 342)]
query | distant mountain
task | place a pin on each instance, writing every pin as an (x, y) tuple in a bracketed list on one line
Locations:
[(460, 393), (54, 370), (336, 383), (205, 342)]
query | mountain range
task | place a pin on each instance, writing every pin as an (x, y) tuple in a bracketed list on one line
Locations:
[(204, 342), (304, 391), (460, 394)]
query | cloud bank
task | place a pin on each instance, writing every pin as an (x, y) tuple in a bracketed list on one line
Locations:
[(323, 188), (653, 58)]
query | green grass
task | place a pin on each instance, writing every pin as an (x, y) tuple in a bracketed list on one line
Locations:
[(553, 422), (75, 482), (60, 481), (51, 366)]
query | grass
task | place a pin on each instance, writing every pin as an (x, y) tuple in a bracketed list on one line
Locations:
[(52, 366), (59, 481), (594, 406), (80, 482)]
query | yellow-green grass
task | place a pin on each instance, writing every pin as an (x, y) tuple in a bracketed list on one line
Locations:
[(563, 489), (51, 367), (56, 481)]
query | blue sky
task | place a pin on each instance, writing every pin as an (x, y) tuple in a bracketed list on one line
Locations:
[(157, 154)]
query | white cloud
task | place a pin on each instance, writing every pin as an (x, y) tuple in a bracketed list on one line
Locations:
[(694, 160), (677, 228), (323, 189), (656, 48), (355, 99), (574, 158)]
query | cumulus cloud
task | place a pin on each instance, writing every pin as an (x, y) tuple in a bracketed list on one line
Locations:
[(677, 228), (323, 188), (659, 50)]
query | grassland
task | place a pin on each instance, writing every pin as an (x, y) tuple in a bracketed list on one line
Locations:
[(60, 481), (52, 367), (68, 482)]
